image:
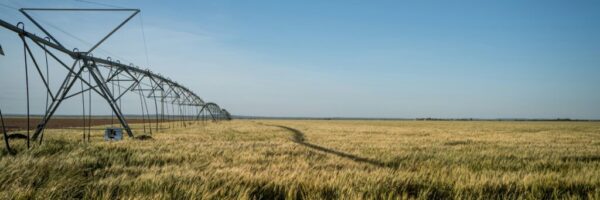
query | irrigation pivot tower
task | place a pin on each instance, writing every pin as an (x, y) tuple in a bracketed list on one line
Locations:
[(108, 78)]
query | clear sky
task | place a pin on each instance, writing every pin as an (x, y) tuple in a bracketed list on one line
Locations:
[(482, 59)]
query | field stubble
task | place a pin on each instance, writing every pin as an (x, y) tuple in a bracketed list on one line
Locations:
[(304, 159)]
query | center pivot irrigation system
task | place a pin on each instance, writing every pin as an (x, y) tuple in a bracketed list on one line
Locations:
[(109, 79)]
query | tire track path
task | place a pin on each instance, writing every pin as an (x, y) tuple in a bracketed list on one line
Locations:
[(298, 138)]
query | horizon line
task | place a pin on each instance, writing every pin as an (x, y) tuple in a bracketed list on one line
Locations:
[(350, 118)]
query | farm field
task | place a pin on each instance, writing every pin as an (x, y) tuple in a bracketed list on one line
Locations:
[(315, 159)]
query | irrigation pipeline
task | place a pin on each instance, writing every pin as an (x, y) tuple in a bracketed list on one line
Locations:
[(102, 77)]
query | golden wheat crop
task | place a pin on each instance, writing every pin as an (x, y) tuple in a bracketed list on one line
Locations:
[(311, 159)]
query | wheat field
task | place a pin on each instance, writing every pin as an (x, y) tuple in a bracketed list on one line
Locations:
[(315, 159)]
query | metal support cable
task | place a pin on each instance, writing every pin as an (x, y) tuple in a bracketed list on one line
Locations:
[(162, 107), (142, 105), (145, 105), (180, 115), (144, 38), (155, 105), (47, 93), (90, 107), (119, 88), (112, 114), (171, 125), (101, 4), (168, 116), (82, 104), (197, 110), (173, 116)]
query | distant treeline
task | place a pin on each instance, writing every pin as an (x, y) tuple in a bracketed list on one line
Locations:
[(411, 119), (507, 119)]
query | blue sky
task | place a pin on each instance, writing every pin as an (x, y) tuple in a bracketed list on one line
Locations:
[(482, 59)]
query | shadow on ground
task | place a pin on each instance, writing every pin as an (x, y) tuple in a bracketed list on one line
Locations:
[(298, 137)]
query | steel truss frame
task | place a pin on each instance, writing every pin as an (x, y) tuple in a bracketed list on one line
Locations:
[(104, 73)]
